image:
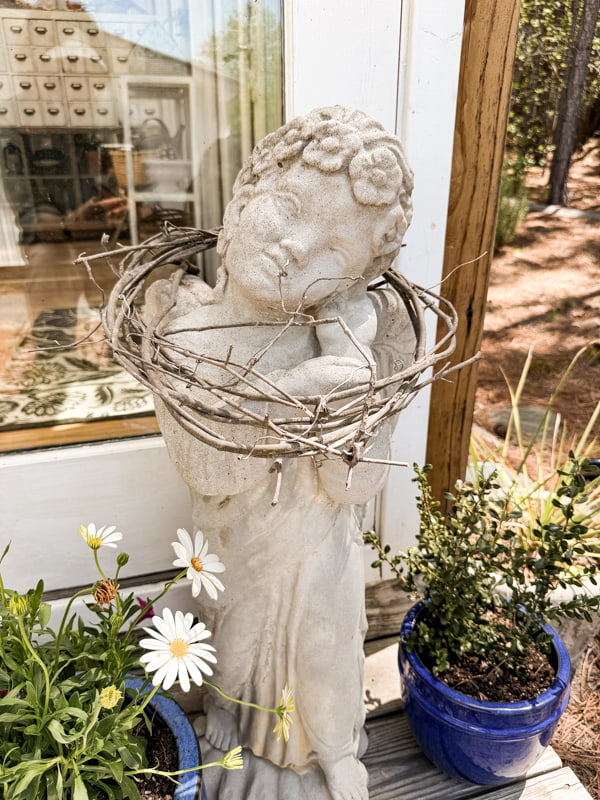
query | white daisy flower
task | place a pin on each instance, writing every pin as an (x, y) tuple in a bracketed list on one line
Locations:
[(177, 650), (106, 536), (200, 563)]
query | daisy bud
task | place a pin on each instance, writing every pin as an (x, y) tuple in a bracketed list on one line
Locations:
[(18, 605), (110, 696)]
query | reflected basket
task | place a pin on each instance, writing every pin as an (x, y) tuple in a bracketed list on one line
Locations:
[(119, 157)]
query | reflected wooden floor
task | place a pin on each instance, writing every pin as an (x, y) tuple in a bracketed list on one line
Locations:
[(76, 433), (49, 280)]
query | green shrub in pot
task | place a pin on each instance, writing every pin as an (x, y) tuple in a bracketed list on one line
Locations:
[(486, 591), (529, 464)]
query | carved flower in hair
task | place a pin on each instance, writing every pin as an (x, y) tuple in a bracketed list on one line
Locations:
[(291, 144), (376, 177), (333, 145), (276, 149)]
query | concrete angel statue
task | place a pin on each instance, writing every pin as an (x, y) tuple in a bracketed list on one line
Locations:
[(318, 212)]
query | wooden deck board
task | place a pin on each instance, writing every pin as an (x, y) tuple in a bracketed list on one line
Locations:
[(398, 770)]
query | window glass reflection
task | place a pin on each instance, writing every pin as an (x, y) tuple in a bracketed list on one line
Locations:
[(115, 117)]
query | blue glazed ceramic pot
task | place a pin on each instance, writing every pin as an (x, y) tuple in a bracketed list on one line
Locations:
[(477, 741), (175, 718)]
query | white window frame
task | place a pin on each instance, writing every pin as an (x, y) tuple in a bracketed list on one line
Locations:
[(398, 61)]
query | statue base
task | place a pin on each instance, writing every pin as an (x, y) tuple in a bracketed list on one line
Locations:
[(260, 779)]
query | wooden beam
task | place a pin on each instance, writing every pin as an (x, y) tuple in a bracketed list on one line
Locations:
[(488, 49), (76, 433)]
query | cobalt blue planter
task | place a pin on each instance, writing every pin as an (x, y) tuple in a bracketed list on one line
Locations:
[(175, 718), (475, 741)]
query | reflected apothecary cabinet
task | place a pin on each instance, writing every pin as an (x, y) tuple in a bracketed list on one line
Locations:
[(91, 110)]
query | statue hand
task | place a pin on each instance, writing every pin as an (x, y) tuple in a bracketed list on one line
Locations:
[(323, 375)]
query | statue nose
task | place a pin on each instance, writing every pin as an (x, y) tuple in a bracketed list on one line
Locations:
[(296, 250)]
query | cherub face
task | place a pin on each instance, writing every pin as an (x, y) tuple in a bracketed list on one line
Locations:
[(300, 240)]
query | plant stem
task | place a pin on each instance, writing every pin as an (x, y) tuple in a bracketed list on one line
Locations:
[(97, 562), (239, 702), (63, 622), (137, 708), (36, 658), (151, 602)]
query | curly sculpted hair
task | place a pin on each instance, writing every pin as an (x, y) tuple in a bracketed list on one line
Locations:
[(335, 140)]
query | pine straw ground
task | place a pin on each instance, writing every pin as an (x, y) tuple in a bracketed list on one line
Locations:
[(545, 294), (577, 738)]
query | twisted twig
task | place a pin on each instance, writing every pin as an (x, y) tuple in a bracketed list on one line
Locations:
[(339, 424)]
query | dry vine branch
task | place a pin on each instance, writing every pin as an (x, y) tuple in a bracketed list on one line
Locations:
[(338, 424)]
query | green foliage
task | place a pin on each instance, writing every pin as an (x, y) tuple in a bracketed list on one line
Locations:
[(67, 729), (486, 589), (248, 50), (512, 205), (546, 34), (59, 735)]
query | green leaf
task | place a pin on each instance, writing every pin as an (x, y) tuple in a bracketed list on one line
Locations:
[(44, 614), (130, 790), (109, 790), (79, 790), (116, 769), (74, 711), (128, 758), (32, 773), (59, 733), (7, 717), (52, 792), (4, 552)]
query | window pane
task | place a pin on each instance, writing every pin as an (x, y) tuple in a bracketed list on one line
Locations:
[(115, 117)]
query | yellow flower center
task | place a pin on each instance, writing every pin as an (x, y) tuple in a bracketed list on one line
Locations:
[(179, 648), (197, 564), (95, 542)]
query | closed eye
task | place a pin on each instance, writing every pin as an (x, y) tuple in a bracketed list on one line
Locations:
[(343, 252), (288, 201)]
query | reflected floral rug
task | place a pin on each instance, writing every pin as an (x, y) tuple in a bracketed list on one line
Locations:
[(66, 384)]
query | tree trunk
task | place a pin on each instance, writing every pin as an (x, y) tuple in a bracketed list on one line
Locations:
[(570, 103)]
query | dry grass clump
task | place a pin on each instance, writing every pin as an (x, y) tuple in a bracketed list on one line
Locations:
[(577, 738)]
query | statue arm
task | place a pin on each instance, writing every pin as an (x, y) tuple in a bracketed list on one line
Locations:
[(393, 348), (206, 470)]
